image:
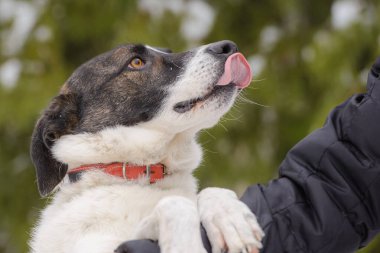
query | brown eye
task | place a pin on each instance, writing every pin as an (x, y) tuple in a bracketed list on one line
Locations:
[(136, 63)]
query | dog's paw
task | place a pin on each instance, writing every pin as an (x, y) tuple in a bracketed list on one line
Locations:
[(175, 224), (230, 225)]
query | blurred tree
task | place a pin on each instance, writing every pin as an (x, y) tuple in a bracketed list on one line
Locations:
[(307, 56)]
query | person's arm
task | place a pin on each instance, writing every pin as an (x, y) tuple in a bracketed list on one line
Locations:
[(327, 197)]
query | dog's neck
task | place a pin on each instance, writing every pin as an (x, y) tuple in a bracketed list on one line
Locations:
[(179, 152)]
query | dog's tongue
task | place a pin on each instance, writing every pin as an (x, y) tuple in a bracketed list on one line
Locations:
[(236, 71)]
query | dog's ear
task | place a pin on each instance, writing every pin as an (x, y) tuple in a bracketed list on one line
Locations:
[(60, 118)]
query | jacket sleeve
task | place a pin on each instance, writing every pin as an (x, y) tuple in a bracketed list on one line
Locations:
[(327, 197)]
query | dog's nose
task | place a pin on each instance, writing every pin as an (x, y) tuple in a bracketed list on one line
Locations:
[(222, 48)]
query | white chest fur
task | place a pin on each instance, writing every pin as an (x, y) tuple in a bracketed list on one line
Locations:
[(98, 217)]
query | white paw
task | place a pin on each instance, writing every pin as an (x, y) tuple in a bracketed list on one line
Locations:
[(174, 222), (230, 225)]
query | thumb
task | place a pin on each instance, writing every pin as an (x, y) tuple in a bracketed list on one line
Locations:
[(373, 85), (376, 67)]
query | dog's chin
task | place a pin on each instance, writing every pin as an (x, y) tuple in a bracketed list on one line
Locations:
[(221, 95)]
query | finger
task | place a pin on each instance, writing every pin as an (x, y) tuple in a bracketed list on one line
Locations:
[(373, 85), (376, 67)]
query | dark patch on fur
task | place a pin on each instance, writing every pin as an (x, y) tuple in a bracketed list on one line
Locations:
[(111, 90), (139, 49), (59, 119)]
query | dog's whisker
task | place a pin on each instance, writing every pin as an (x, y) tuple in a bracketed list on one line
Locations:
[(223, 126), (243, 99), (258, 80), (228, 120), (212, 136), (253, 82), (237, 104), (252, 88), (180, 76), (233, 118), (209, 151), (177, 65)]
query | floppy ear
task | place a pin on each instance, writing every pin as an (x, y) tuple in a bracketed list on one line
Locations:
[(60, 118)]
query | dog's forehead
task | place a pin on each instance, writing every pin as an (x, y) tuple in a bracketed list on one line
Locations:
[(121, 54), (118, 55), (110, 70), (106, 65), (128, 48)]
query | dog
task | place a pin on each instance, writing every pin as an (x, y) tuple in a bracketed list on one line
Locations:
[(117, 147)]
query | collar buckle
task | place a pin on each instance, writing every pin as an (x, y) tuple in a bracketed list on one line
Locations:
[(147, 171)]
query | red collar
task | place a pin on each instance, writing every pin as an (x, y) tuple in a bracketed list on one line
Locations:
[(154, 172)]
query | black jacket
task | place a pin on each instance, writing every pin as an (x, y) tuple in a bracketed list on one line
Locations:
[(327, 196)]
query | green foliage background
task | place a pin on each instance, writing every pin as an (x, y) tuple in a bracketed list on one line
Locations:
[(311, 67)]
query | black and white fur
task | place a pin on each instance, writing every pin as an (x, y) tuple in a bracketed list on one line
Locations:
[(109, 112)]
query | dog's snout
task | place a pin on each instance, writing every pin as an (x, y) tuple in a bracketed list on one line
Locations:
[(222, 48)]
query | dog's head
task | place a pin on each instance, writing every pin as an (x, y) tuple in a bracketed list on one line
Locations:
[(136, 86)]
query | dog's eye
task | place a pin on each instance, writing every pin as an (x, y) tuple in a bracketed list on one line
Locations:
[(136, 63)]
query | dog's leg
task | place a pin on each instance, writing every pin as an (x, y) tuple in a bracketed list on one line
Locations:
[(175, 224), (230, 225)]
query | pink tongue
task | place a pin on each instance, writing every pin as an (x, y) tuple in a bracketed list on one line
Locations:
[(236, 71)]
